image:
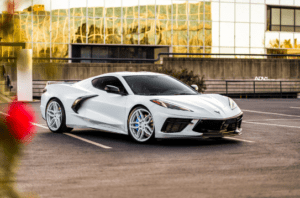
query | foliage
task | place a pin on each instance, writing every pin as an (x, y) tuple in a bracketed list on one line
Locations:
[(185, 76), (16, 129)]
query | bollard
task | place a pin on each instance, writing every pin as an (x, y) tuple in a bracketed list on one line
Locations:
[(24, 75)]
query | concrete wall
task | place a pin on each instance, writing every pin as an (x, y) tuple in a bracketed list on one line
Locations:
[(79, 71), (242, 69)]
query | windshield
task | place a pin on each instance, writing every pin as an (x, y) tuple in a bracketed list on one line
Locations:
[(157, 85)]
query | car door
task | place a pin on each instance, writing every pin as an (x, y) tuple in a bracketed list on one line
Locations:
[(107, 111)]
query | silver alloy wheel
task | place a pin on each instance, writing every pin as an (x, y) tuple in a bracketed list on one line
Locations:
[(54, 115), (141, 125)]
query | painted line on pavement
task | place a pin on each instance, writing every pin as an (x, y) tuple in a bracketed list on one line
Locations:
[(39, 125), (295, 107), (271, 113), (71, 135), (296, 127), (268, 120), (88, 141), (231, 138)]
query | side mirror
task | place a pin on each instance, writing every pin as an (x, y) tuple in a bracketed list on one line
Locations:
[(195, 87), (113, 89)]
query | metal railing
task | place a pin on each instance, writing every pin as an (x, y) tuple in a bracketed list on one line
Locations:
[(253, 88), (204, 55)]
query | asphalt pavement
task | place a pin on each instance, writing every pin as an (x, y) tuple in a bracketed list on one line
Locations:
[(263, 162)]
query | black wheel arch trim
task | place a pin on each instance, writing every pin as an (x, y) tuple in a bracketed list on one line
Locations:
[(78, 102)]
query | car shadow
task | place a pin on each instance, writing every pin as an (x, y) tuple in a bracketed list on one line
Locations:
[(113, 139)]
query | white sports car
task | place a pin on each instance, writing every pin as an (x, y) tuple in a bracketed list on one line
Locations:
[(143, 105)]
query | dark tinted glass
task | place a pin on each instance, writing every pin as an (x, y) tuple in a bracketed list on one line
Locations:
[(101, 82), (157, 85), (287, 28)]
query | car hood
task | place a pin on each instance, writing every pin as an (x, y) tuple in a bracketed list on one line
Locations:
[(210, 105)]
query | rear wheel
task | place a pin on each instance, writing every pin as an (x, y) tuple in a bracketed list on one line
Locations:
[(56, 117), (141, 125)]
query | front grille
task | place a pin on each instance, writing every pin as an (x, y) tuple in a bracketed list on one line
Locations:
[(173, 125), (205, 126)]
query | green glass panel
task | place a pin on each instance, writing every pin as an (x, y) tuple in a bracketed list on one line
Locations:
[(117, 12), (98, 12), (208, 11), (96, 30), (130, 31), (113, 31), (41, 29), (163, 32), (128, 12), (60, 51), (177, 49), (151, 12), (91, 12), (147, 32), (60, 29), (78, 29), (143, 12), (109, 12)]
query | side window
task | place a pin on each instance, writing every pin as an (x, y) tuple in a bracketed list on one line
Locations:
[(101, 82)]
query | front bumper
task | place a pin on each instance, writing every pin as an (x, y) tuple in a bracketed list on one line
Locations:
[(202, 128)]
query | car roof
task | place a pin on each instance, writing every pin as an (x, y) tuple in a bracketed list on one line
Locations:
[(126, 73)]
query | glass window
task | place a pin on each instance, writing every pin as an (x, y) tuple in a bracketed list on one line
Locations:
[(226, 50), (287, 16), (147, 9), (215, 11), (164, 9), (297, 17), (195, 50), (208, 33), (130, 9), (147, 32), (113, 29), (196, 11), (60, 29), (196, 37), (179, 33), (242, 12), (60, 51), (227, 12), (113, 8), (95, 8), (41, 29), (257, 35), (177, 49), (41, 50), (227, 34), (275, 12), (130, 31), (207, 11), (78, 8), (77, 29), (157, 85), (101, 83), (179, 10), (163, 32), (242, 34), (95, 30)]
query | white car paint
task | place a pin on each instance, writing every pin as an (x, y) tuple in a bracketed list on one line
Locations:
[(110, 111)]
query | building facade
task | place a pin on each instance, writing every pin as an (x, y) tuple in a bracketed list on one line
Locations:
[(143, 28)]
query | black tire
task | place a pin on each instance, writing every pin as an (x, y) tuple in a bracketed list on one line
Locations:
[(150, 125), (58, 129)]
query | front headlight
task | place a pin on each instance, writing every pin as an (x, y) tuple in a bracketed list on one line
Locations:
[(232, 104), (169, 105)]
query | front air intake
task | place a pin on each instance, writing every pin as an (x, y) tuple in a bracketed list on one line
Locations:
[(174, 125)]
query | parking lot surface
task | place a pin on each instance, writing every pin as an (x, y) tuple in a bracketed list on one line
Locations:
[(263, 162)]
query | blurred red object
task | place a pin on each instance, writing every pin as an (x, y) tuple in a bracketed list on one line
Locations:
[(19, 121)]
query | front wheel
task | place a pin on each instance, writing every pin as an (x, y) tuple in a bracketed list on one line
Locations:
[(56, 117), (141, 125)]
